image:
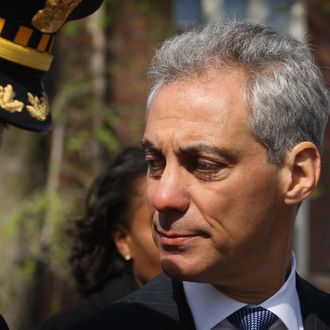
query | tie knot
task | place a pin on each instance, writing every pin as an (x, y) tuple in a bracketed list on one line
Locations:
[(256, 318)]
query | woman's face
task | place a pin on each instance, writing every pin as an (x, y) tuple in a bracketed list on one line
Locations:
[(142, 247)]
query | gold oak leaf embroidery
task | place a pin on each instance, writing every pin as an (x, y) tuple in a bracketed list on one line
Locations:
[(39, 108), (53, 16), (7, 101)]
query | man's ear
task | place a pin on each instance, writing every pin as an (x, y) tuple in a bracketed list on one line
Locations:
[(304, 163), (122, 240)]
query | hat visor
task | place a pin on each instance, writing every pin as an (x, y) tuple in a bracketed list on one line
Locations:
[(23, 102)]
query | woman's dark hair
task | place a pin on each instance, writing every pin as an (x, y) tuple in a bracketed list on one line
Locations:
[(94, 256)]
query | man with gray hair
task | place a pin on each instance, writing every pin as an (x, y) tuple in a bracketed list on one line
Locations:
[(235, 122)]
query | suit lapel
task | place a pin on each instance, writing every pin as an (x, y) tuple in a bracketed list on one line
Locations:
[(184, 312), (315, 306), (3, 324), (162, 301)]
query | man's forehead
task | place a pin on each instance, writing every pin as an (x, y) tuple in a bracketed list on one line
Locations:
[(217, 83)]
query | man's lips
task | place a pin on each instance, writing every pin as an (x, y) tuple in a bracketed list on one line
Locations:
[(175, 239)]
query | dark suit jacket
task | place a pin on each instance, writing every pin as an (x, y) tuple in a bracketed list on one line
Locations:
[(161, 305), (116, 288), (3, 324)]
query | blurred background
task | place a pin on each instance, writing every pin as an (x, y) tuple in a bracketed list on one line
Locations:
[(97, 88)]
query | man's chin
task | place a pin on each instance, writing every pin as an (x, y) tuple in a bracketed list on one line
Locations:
[(178, 271)]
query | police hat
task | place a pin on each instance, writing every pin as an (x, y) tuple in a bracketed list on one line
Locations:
[(27, 30)]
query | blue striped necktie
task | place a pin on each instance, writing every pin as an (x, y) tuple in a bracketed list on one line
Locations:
[(256, 318)]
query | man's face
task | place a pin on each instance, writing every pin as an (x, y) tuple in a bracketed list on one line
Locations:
[(218, 201)]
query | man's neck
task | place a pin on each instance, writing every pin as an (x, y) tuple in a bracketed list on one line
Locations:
[(259, 285)]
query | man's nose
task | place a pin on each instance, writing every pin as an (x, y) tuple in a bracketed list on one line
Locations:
[(170, 192)]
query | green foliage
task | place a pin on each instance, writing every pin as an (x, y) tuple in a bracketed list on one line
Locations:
[(151, 8), (33, 233), (107, 139), (72, 29), (77, 142)]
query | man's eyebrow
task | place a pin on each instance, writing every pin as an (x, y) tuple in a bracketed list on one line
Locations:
[(208, 149), (147, 145), (195, 149)]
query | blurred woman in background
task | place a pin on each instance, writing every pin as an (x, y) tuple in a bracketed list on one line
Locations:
[(113, 252)]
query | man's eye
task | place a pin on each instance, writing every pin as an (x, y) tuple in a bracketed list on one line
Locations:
[(205, 165), (208, 170), (155, 166)]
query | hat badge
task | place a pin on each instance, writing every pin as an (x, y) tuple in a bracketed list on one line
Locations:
[(7, 100), (54, 15)]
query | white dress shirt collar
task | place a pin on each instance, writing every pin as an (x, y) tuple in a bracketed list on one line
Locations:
[(209, 306)]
